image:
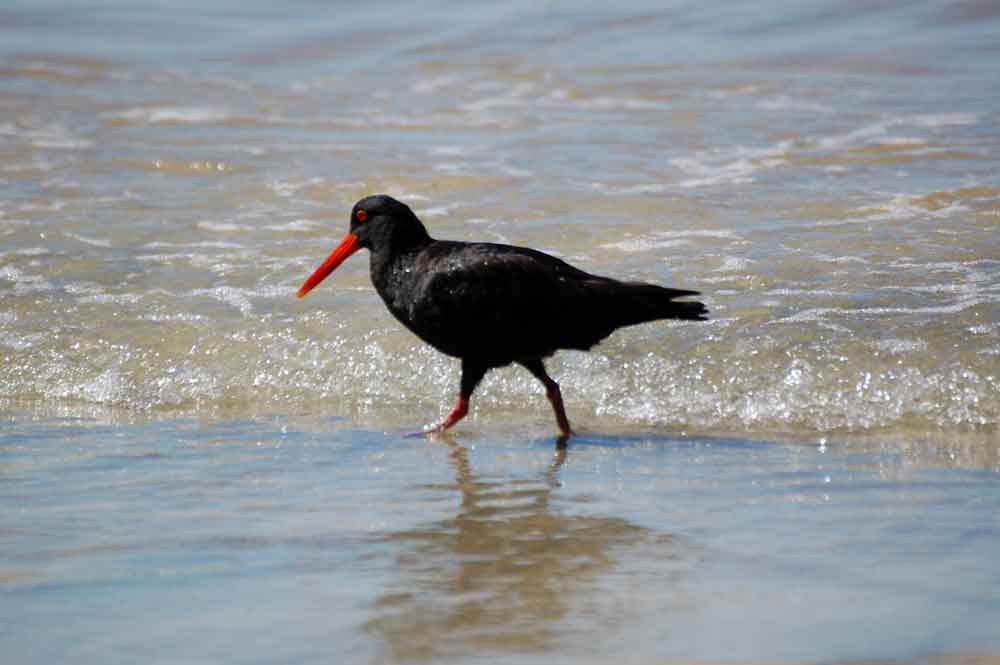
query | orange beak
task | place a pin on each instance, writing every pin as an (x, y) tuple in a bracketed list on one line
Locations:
[(347, 246)]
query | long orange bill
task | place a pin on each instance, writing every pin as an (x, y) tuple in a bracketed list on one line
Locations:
[(347, 246)]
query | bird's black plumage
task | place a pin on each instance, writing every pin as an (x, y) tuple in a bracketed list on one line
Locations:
[(491, 304)]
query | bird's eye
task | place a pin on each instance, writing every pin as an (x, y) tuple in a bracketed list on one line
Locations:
[(361, 216)]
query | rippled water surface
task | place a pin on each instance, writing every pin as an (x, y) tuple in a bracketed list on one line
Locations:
[(288, 541), (180, 432)]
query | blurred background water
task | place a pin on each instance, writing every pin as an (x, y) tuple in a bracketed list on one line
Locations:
[(824, 172)]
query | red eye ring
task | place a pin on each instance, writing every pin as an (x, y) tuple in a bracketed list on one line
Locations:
[(361, 216)]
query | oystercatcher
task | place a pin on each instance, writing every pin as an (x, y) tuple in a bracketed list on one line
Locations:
[(490, 304)]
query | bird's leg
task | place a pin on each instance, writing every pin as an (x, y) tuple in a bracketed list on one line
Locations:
[(472, 374), (555, 398), (537, 367), (457, 413)]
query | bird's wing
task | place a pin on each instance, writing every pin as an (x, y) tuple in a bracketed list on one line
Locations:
[(510, 299)]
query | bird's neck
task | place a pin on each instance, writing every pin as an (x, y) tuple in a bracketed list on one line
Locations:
[(391, 271)]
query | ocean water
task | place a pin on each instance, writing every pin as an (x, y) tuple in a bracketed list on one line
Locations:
[(275, 540), (198, 467)]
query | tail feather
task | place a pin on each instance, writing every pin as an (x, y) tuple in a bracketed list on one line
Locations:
[(647, 302), (689, 311)]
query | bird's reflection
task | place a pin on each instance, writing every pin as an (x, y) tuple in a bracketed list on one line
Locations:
[(506, 573)]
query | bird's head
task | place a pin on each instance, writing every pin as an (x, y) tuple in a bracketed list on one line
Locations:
[(379, 223)]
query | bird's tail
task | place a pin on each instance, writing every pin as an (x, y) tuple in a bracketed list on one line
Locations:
[(648, 302)]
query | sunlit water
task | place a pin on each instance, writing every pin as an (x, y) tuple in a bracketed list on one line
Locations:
[(826, 174), (277, 541)]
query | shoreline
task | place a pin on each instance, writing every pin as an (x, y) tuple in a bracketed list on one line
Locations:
[(487, 546)]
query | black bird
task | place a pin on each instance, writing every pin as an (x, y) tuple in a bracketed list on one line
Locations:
[(492, 305)]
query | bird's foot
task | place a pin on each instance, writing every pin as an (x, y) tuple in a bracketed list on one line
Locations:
[(457, 413)]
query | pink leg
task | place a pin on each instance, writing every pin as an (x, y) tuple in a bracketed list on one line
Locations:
[(537, 367), (555, 397), (472, 374), (457, 413)]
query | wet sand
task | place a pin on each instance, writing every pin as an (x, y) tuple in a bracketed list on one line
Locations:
[(304, 539)]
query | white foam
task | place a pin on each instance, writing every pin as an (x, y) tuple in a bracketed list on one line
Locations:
[(95, 242), (53, 136), (408, 196), (514, 96), (12, 274), (84, 288), (222, 227), (175, 316), (617, 104), (25, 166), (431, 85), (451, 150), (440, 211), (943, 266), (111, 298), (814, 314), (451, 167), (515, 172), (984, 328), (723, 93), (817, 315), (734, 173), (940, 119), (109, 387), (730, 166), (905, 141), (183, 115), (806, 292), (954, 308), (900, 346), (61, 183), (905, 206), (321, 83), (215, 244), (164, 258), (52, 206), (287, 188), (853, 137), (786, 103), (230, 295), (666, 239), (295, 225), (65, 143), (876, 132), (843, 259), (217, 262), (628, 190), (734, 264), (645, 244)]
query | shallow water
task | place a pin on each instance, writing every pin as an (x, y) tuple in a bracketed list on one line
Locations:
[(302, 541), (810, 476), (165, 193)]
